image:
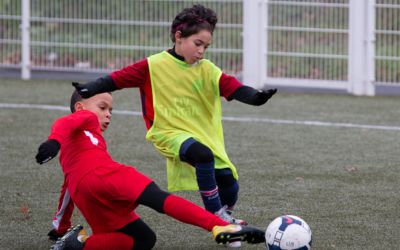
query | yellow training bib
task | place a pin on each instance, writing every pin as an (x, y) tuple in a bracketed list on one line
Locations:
[(187, 103)]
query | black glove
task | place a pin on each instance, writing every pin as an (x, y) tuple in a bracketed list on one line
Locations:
[(249, 95), (100, 85), (47, 151), (83, 90), (264, 95)]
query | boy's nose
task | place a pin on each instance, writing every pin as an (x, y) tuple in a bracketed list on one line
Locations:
[(201, 50)]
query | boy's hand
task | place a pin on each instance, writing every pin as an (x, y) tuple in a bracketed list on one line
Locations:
[(47, 151), (264, 95), (100, 85), (83, 90)]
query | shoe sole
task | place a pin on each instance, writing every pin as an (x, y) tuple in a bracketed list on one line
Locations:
[(251, 237)]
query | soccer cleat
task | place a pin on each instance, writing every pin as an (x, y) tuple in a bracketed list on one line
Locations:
[(232, 233), (74, 239), (226, 216), (234, 244), (54, 235)]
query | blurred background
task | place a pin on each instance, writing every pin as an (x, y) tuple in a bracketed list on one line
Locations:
[(349, 46)]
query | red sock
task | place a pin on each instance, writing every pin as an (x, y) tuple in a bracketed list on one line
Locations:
[(109, 241), (190, 213)]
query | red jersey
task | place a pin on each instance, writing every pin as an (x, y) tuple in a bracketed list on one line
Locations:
[(83, 147), (137, 75), (105, 186)]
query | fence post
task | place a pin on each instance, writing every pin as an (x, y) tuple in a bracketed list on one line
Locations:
[(25, 43), (254, 43), (361, 66)]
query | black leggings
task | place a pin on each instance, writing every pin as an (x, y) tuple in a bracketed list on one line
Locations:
[(144, 237), (197, 152)]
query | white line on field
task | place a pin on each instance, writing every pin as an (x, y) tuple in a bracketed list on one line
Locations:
[(312, 123), (57, 107), (225, 118)]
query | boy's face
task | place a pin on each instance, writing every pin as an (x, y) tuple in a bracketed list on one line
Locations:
[(193, 47), (101, 105)]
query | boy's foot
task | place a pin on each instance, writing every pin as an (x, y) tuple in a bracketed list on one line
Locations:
[(226, 216), (74, 239), (232, 233)]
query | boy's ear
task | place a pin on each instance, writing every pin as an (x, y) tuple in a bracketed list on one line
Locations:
[(78, 106), (178, 36)]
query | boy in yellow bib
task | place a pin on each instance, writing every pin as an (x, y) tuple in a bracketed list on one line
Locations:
[(181, 104)]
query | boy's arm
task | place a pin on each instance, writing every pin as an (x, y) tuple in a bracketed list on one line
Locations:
[(132, 76), (249, 95), (231, 89), (100, 85), (47, 151), (60, 130)]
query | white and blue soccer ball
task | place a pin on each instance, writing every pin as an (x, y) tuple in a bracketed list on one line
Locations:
[(288, 232)]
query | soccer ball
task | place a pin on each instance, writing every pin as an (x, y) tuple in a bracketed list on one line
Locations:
[(288, 232)]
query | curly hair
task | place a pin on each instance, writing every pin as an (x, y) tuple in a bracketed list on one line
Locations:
[(192, 20)]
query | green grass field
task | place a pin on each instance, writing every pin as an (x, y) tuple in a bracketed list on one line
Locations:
[(343, 181)]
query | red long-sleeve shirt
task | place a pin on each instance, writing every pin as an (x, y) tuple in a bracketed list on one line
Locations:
[(83, 147)]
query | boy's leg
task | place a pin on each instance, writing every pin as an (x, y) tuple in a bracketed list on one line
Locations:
[(77, 239), (228, 191), (190, 213), (107, 197), (143, 236), (62, 219), (202, 158), (178, 208), (107, 200), (136, 235), (109, 241), (228, 187)]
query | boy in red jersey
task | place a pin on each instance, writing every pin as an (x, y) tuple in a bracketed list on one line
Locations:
[(107, 192)]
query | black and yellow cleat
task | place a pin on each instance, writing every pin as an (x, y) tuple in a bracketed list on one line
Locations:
[(231, 233), (74, 239)]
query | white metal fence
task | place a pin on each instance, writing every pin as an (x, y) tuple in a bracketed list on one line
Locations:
[(387, 33), (352, 45), (104, 35)]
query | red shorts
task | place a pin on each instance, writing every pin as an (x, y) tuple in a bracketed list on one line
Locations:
[(107, 197)]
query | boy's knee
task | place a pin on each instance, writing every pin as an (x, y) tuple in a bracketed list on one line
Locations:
[(145, 243), (197, 153), (205, 155), (143, 236)]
